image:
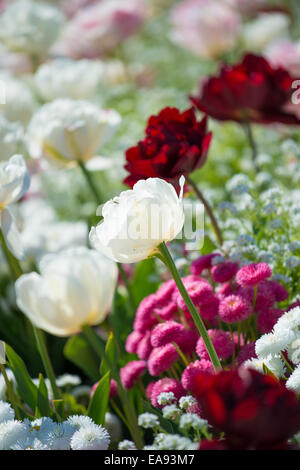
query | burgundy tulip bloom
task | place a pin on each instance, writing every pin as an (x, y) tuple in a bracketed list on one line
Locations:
[(254, 410), (252, 91), (175, 144)]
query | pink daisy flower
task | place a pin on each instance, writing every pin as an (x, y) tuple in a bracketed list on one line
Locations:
[(132, 341), (221, 341), (279, 291), (193, 369), (224, 290), (161, 359), (166, 332), (224, 272), (253, 274), (267, 319), (165, 385), (187, 342), (246, 352), (131, 372), (234, 309), (144, 347), (144, 320), (202, 263)]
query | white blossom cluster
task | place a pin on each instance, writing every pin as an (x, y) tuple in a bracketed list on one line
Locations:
[(285, 338), (262, 226), (179, 412), (76, 433)]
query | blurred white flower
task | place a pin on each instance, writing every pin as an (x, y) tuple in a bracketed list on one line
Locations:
[(14, 62), (293, 382), (285, 53), (31, 27), (126, 445), (20, 103), (171, 412), (75, 288), (191, 420), (14, 182), (80, 421), (68, 379), (273, 362), (10, 432), (101, 28), (274, 343), (6, 412), (60, 435), (66, 131), (11, 138), (148, 421), (260, 32), (66, 78), (90, 437), (113, 426), (209, 28), (11, 378), (137, 221)]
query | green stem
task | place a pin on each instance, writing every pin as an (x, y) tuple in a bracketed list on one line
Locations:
[(99, 348), (124, 278), (89, 179), (16, 272), (41, 344), (166, 258), (208, 209), (252, 143), (10, 391)]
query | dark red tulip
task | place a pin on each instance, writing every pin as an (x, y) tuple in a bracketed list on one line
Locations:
[(255, 411), (175, 144), (252, 90)]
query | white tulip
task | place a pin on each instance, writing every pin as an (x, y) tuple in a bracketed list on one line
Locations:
[(66, 78), (14, 182), (75, 288), (66, 131), (30, 27), (137, 221), (19, 102), (259, 33), (11, 135)]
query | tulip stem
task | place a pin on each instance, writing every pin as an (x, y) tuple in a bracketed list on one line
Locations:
[(207, 208), (16, 272), (12, 262), (166, 258), (41, 344), (124, 278), (10, 391), (91, 184), (252, 143), (129, 411)]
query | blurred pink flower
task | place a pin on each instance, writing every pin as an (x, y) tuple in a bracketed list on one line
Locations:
[(248, 7), (71, 7), (209, 28), (285, 53), (98, 29), (14, 62)]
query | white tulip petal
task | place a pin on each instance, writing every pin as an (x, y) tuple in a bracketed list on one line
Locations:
[(11, 234)]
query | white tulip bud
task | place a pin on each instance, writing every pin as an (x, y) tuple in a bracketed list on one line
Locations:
[(137, 221)]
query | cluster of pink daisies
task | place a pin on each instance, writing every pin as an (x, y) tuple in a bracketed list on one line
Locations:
[(236, 305)]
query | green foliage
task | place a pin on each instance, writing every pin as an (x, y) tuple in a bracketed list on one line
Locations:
[(99, 402), (27, 389), (78, 351)]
